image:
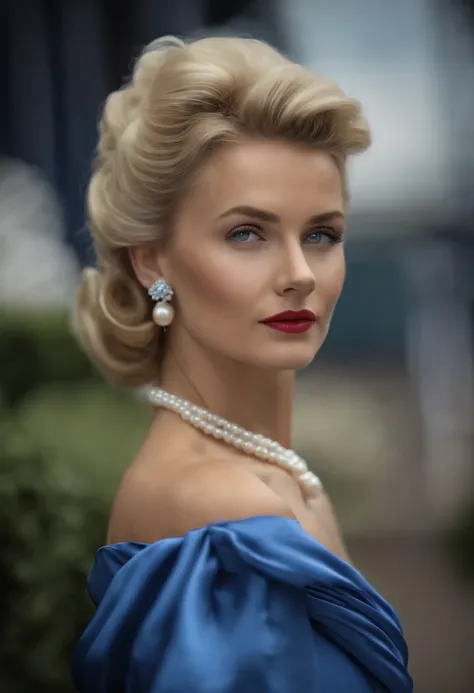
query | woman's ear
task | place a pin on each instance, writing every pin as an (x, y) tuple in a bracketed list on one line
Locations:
[(147, 262)]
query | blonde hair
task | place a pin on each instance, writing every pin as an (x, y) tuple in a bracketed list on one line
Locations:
[(183, 101)]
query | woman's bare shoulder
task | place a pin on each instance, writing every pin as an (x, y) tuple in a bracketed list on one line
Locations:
[(148, 508)]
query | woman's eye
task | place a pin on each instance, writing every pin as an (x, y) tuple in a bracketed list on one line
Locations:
[(323, 237), (244, 235)]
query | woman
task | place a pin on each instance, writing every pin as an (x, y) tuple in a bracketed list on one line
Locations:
[(217, 208)]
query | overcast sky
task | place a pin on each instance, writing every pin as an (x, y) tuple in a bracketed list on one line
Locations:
[(389, 55)]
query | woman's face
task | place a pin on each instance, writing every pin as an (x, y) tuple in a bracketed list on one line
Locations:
[(259, 233)]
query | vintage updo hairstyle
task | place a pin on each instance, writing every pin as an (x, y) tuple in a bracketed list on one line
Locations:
[(183, 101)]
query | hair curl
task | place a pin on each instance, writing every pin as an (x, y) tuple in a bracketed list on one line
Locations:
[(183, 101)]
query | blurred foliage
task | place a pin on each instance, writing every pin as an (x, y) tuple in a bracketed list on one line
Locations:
[(37, 349), (65, 438), (50, 526)]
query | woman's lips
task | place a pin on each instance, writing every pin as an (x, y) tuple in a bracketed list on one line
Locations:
[(291, 321)]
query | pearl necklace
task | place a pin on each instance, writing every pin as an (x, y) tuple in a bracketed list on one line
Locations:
[(250, 443)]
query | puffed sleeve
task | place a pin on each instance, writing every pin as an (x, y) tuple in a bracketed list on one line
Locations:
[(249, 606)]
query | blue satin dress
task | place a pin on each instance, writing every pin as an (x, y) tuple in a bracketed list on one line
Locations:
[(248, 606)]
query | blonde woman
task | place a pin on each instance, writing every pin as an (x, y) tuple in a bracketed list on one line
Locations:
[(218, 211)]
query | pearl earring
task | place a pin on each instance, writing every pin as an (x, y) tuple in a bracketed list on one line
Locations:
[(162, 292)]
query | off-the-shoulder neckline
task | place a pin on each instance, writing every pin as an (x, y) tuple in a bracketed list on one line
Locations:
[(219, 523)]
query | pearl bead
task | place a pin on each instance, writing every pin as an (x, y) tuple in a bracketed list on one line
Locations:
[(298, 465), (163, 314)]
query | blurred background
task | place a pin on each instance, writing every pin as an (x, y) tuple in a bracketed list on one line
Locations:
[(385, 414)]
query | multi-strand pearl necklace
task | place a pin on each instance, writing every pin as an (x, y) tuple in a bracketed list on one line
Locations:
[(250, 443)]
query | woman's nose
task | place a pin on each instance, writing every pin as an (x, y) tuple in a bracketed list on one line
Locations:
[(295, 274)]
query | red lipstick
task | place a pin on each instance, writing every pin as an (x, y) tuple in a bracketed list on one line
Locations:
[(291, 321)]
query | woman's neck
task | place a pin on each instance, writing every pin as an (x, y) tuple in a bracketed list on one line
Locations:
[(261, 401)]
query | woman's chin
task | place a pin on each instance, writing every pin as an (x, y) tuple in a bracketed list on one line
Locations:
[(292, 357)]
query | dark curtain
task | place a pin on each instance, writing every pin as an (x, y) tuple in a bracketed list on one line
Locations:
[(59, 60)]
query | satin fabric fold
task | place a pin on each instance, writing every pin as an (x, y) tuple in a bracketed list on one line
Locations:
[(249, 606)]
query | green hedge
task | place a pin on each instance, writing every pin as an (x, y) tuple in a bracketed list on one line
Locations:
[(37, 349), (65, 438), (50, 527)]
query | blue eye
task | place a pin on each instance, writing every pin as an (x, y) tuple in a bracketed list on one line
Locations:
[(244, 235), (323, 237)]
